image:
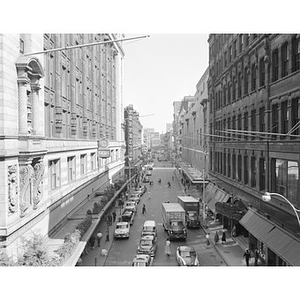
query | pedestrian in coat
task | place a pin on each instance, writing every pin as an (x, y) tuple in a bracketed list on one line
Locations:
[(168, 247), (216, 238), (247, 257), (114, 215), (144, 209), (92, 242), (99, 237), (110, 219), (223, 237), (207, 240), (107, 234), (256, 256)]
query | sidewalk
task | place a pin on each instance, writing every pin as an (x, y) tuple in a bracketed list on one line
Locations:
[(233, 250)]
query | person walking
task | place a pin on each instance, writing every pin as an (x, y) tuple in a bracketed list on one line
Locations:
[(99, 237), (144, 209), (247, 257), (114, 214), (256, 256), (224, 237), (168, 247), (216, 238), (92, 242), (207, 240), (107, 234)]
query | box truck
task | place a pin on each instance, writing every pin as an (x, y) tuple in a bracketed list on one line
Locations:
[(173, 217), (191, 207)]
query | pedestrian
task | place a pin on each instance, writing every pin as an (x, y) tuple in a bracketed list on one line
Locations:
[(223, 237), (92, 242), (216, 238), (110, 219), (168, 247), (184, 189), (107, 234), (247, 257), (144, 209), (233, 231), (114, 214), (99, 237), (256, 256), (207, 240)]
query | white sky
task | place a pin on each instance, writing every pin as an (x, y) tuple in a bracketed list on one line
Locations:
[(161, 69)]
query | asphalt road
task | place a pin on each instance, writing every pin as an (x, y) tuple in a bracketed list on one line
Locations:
[(123, 251)]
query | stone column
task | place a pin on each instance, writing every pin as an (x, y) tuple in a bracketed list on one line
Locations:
[(22, 86), (36, 115)]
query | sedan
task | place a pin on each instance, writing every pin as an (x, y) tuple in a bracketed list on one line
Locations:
[(142, 260), (135, 198), (147, 245), (187, 256), (122, 230)]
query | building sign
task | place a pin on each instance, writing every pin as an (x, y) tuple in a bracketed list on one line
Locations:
[(103, 153)]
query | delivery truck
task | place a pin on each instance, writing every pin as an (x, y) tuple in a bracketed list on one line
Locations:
[(173, 217), (191, 207)]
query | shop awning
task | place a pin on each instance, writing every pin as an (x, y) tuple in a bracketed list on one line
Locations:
[(218, 196), (209, 192), (278, 240)]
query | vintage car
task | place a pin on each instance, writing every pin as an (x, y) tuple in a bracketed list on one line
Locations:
[(135, 198), (147, 245), (128, 216), (187, 256), (146, 179), (141, 190), (142, 260), (122, 230), (131, 205), (149, 228)]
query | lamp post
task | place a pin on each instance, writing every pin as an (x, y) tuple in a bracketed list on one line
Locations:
[(267, 197)]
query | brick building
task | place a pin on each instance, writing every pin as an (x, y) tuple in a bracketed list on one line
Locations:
[(254, 137)]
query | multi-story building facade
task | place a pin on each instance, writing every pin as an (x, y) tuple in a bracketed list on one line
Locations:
[(133, 137), (55, 107), (254, 137), (194, 128), (175, 125)]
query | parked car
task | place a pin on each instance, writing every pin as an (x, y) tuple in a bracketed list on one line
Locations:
[(149, 228), (141, 190), (147, 245), (122, 230), (131, 205), (134, 198), (142, 260), (128, 216), (187, 256), (146, 179), (136, 193)]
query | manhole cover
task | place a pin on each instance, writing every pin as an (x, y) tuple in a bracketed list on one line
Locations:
[(226, 252)]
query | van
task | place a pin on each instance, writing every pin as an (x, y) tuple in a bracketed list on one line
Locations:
[(149, 228)]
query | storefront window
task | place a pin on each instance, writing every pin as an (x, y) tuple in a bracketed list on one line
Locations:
[(287, 176)]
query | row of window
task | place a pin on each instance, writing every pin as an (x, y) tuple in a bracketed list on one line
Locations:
[(56, 165), (289, 54), (255, 120), (284, 174)]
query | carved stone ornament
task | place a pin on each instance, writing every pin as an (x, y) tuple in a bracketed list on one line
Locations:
[(38, 184), (25, 176), (12, 189)]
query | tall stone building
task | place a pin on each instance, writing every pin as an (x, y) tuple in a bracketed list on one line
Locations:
[(55, 107), (254, 144)]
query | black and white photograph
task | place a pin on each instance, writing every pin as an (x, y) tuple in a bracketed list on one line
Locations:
[(125, 143)]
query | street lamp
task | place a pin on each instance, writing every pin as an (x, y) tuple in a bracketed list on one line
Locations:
[(267, 197)]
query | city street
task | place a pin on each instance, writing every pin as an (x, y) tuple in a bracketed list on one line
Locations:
[(122, 251)]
